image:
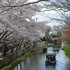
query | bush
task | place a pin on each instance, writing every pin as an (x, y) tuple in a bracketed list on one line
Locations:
[(67, 50), (50, 45)]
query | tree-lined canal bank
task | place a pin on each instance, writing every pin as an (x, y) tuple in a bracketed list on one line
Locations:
[(37, 62), (22, 58)]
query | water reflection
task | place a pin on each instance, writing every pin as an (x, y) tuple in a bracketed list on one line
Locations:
[(37, 62), (63, 63)]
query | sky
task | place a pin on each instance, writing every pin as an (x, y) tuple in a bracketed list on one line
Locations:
[(44, 16), (32, 1)]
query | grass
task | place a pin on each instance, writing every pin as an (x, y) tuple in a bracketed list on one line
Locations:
[(13, 64), (49, 45), (28, 54), (67, 50)]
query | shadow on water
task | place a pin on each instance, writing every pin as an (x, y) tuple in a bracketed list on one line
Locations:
[(37, 62)]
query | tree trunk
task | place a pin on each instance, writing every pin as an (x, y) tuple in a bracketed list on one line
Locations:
[(12, 50), (5, 49)]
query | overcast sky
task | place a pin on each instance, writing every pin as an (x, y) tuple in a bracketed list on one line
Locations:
[(43, 16)]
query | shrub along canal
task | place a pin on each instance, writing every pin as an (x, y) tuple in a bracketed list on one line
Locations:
[(37, 62)]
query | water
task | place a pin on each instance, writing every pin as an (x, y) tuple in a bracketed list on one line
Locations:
[(37, 62)]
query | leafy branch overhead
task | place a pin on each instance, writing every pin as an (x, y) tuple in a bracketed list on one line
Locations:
[(17, 26)]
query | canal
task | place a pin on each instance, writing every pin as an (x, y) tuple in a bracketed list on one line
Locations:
[(37, 62)]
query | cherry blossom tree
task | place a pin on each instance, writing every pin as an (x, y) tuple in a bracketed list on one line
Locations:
[(66, 33), (16, 24)]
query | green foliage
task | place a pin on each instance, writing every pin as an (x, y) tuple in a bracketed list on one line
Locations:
[(58, 34), (28, 54), (67, 50), (46, 37), (24, 57), (13, 64), (49, 45), (45, 45)]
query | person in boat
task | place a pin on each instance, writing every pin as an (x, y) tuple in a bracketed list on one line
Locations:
[(50, 58)]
